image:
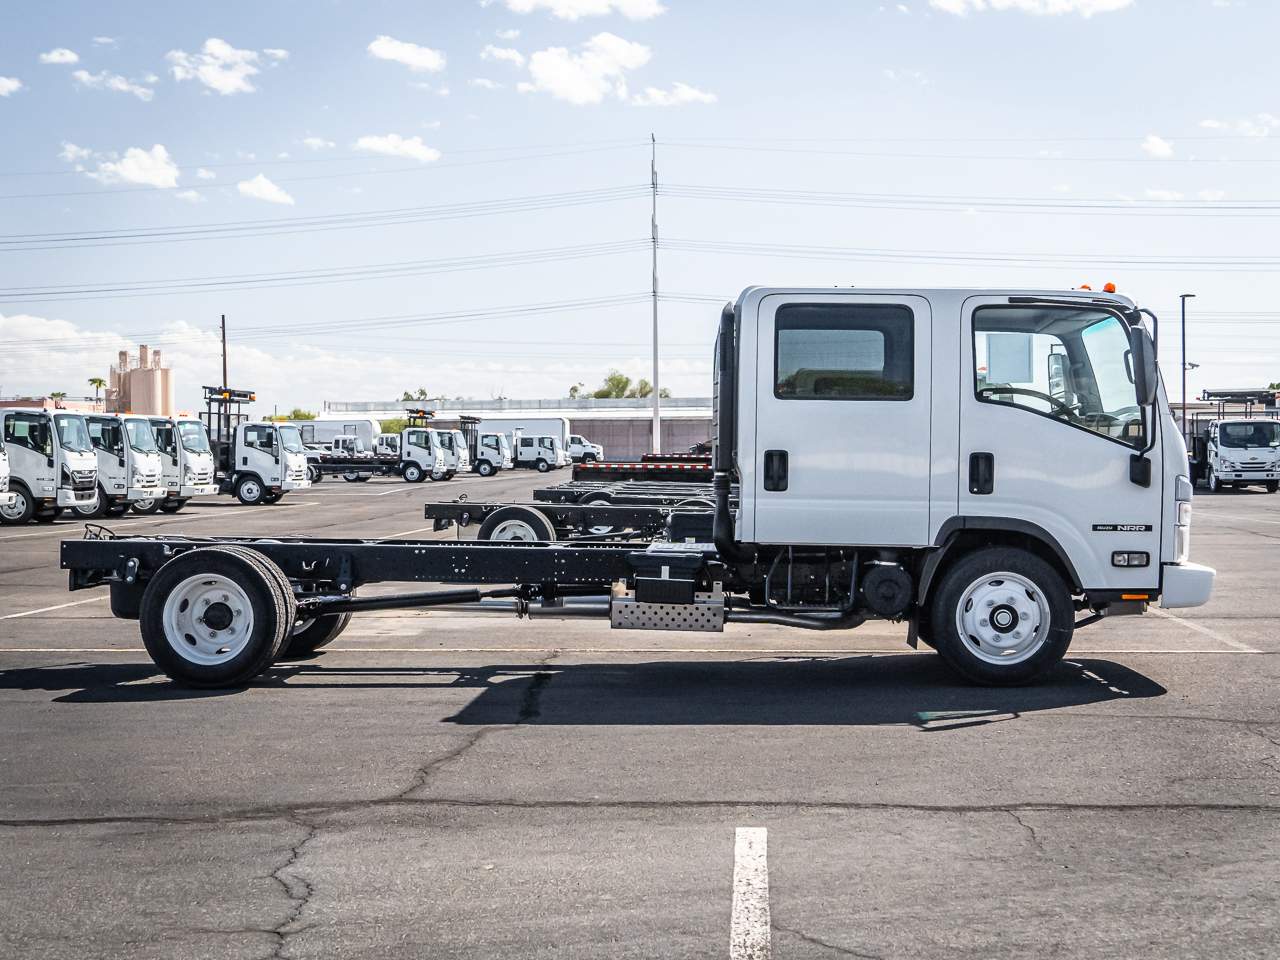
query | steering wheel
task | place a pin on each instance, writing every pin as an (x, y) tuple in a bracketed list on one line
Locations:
[(1053, 401)]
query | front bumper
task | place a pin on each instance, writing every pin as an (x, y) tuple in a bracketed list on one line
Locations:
[(196, 490), (145, 493), (294, 484), (1246, 476), (1186, 585), (75, 498)]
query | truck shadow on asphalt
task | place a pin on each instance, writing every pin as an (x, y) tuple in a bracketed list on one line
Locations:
[(840, 691)]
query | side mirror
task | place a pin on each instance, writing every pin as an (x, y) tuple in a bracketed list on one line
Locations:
[(1058, 375), (1146, 376)]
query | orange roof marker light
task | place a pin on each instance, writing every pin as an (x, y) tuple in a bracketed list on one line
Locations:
[(1109, 288), (1085, 286)]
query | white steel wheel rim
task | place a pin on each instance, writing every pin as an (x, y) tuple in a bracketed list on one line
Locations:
[(208, 619), (86, 509), (1003, 618), (144, 504), (412, 473), (251, 490), (518, 530), (18, 508)]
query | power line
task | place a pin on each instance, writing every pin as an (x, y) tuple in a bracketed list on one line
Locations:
[(997, 158)]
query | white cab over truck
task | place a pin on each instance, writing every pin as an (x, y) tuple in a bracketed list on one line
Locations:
[(421, 455), (993, 468), (186, 465), (51, 465), (1240, 452), (262, 462), (581, 449), (128, 463), (539, 453), (538, 428), (488, 449), (457, 456)]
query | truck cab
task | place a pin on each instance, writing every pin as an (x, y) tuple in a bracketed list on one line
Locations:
[(129, 467), (387, 445), (51, 465), (457, 457), (421, 454), (186, 464), (461, 449), (1241, 452), (539, 453), (263, 462), (490, 452), (582, 449)]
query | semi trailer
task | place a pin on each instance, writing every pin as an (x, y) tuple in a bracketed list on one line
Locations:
[(938, 507), (186, 465), (129, 469), (52, 465)]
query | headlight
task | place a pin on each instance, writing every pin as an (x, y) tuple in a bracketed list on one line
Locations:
[(1182, 520)]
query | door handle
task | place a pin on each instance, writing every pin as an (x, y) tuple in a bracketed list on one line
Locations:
[(775, 470), (982, 473)]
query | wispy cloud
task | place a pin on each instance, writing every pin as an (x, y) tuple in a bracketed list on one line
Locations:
[(1258, 125), (417, 58), (60, 55), (219, 66), (1157, 147), (9, 85), (317, 143), (1044, 8), (490, 52), (679, 94), (148, 168), (394, 145), (577, 9), (260, 188), (112, 81)]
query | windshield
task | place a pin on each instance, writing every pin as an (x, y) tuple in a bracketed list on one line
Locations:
[(290, 439), (194, 437), (72, 433), (1241, 436), (140, 436)]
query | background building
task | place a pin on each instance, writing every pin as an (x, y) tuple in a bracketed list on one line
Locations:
[(624, 427), (140, 384)]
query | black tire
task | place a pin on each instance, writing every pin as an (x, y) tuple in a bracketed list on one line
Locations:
[(173, 506), (99, 508), (23, 509), (485, 468), (147, 506), (1212, 481), (313, 473), (250, 491), (310, 634), (505, 522), (48, 514), (414, 473), (964, 653), (117, 509), (1273, 486), (351, 476), (270, 498), (256, 577), (542, 466), (588, 458)]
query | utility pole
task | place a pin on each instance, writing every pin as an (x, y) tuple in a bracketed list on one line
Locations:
[(1184, 298), (653, 229), (224, 350)]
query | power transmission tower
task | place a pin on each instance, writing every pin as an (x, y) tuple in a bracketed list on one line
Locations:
[(653, 224)]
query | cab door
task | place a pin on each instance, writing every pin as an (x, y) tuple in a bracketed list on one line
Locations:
[(842, 444), (1049, 422)]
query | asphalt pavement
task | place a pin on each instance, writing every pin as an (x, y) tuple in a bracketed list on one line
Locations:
[(468, 785)]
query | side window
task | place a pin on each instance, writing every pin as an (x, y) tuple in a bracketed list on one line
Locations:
[(1069, 364), (260, 437), (491, 442), (526, 442), (838, 351), (102, 435), (23, 429)]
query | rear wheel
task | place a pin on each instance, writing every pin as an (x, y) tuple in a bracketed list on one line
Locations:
[(173, 506), (518, 524), (22, 509), (250, 491), (146, 506), (215, 616), (313, 473), (351, 476), (309, 634), (543, 466), (1001, 616)]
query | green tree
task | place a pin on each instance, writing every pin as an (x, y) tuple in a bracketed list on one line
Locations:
[(98, 384), (394, 425), (616, 384)]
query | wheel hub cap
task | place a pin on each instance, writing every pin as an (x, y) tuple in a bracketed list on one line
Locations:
[(208, 619), (1004, 618)]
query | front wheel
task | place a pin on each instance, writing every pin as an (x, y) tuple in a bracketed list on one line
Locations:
[(1213, 483), (146, 506), (1001, 616), (92, 510), (413, 473), (313, 473), (173, 506), (21, 511), (270, 498), (543, 466), (250, 491), (485, 468), (1273, 486), (48, 514)]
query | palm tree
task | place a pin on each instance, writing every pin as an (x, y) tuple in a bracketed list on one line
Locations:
[(98, 384), (57, 397)]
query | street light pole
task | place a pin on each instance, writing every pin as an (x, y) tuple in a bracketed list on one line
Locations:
[(1184, 298)]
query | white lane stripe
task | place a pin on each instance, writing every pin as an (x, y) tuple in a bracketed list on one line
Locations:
[(1205, 631), (749, 924), (1209, 514), (404, 533), (61, 606)]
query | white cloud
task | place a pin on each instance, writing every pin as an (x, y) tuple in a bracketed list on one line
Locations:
[(416, 58), (260, 188), (317, 143), (484, 83), (104, 41), (588, 76), (73, 154), (112, 81), (394, 145), (191, 196), (1086, 8), (219, 66), (148, 168), (1259, 125), (1157, 147), (9, 85), (507, 34), (60, 55), (577, 9), (1212, 196), (275, 53), (1164, 196), (490, 52), (203, 174), (680, 93)]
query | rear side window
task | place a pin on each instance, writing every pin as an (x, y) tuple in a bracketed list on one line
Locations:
[(840, 351)]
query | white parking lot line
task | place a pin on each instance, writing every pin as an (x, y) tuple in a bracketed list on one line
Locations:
[(405, 533), (749, 924), (60, 606), (68, 531), (1204, 631)]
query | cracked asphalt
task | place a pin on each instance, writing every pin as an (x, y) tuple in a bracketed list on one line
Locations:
[(461, 785)]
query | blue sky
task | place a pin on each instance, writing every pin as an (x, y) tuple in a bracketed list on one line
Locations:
[(386, 195)]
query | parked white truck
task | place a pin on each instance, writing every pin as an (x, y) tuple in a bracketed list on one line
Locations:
[(539, 453), (421, 455), (457, 456), (574, 446), (1238, 452), (51, 464), (186, 464), (128, 464), (262, 462)]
